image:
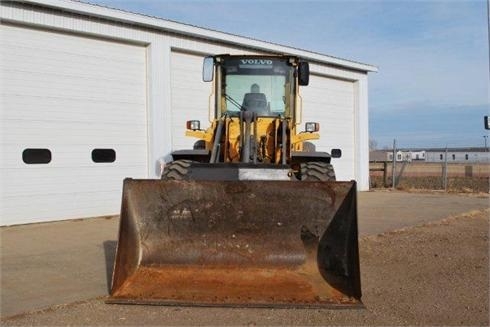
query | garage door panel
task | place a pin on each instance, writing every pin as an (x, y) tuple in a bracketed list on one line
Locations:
[(190, 84), (186, 86), (86, 180), (181, 100), (332, 103), (60, 44), (42, 64), (75, 206), (27, 140), (69, 94), (71, 82), (20, 107), (70, 132), (73, 87), (72, 156), (329, 84), (59, 115), (331, 98)]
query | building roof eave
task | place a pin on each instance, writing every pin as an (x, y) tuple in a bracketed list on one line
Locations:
[(194, 31)]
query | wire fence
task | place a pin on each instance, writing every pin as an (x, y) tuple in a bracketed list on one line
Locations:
[(432, 176)]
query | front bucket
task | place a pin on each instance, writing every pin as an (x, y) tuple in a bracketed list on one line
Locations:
[(238, 243)]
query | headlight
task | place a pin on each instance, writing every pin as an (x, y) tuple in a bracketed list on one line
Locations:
[(311, 127), (193, 124)]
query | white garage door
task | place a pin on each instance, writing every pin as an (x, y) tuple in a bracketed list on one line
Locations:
[(331, 103), (190, 97), (73, 124)]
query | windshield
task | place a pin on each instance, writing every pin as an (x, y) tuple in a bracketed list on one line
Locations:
[(258, 85)]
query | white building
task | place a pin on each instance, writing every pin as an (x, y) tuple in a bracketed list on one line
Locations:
[(418, 155), (407, 155), (400, 156), (91, 95), (459, 155)]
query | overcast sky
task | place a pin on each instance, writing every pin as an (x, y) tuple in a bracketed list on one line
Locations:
[(432, 88)]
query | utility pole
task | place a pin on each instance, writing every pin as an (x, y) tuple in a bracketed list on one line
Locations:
[(485, 137)]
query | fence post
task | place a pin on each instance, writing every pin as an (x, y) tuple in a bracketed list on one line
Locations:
[(444, 175), (385, 173), (393, 168)]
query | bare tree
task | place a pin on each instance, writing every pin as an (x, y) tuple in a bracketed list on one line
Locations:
[(373, 144)]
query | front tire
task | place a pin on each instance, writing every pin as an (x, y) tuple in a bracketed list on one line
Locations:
[(176, 170), (316, 171)]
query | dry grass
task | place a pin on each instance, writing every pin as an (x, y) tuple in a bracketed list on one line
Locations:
[(466, 178)]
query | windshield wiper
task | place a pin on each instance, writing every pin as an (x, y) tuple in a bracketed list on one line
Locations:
[(234, 102)]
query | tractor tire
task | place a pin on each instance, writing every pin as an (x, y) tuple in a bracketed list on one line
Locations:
[(316, 171), (176, 170)]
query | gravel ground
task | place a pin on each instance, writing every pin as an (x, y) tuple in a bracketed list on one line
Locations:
[(433, 274)]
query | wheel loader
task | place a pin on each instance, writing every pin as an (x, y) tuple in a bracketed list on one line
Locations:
[(252, 215)]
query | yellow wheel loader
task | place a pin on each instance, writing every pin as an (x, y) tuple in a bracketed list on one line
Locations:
[(252, 215)]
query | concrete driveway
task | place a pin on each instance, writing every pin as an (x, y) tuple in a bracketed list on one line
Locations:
[(63, 262)]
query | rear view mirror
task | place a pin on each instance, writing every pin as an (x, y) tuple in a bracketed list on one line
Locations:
[(303, 73), (208, 69), (336, 153)]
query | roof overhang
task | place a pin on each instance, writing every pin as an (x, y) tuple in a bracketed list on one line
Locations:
[(194, 31)]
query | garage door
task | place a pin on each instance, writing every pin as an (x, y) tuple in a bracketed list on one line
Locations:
[(331, 103), (73, 124), (190, 97)]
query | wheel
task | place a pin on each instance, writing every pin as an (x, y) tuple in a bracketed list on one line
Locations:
[(316, 171), (176, 170)]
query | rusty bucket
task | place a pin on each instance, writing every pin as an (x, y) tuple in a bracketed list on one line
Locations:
[(238, 243)]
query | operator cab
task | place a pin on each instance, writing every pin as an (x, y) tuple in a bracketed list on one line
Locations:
[(263, 85)]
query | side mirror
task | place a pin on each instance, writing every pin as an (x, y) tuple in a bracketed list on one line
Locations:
[(303, 73), (336, 153), (208, 69)]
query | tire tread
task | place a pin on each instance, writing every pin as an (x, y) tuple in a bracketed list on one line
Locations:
[(317, 171), (176, 170)]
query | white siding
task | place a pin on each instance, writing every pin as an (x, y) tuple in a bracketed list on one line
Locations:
[(69, 94), (330, 102)]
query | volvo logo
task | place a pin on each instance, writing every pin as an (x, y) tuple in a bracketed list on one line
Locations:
[(256, 62)]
